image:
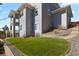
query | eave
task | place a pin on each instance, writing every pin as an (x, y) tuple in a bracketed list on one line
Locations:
[(66, 9)]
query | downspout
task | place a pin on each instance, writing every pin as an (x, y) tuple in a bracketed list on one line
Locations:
[(14, 25), (67, 18)]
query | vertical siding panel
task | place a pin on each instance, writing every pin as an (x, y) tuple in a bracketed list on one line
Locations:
[(64, 21)]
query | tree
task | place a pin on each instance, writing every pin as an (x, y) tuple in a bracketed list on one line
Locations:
[(6, 30)]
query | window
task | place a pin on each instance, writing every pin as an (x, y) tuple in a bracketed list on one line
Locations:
[(10, 27), (49, 12), (20, 27)]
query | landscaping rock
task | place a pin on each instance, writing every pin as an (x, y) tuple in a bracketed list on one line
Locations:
[(1, 47), (1, 44)]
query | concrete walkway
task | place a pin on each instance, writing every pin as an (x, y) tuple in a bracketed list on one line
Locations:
[(7, 51), (12, 50), (74, 47), (3, 54)]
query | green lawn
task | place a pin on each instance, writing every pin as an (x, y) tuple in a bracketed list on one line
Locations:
[(38, 46)]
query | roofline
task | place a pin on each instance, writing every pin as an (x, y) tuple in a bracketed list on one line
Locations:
[(63, 10), (24, 5), (11, 13), (57, 5)]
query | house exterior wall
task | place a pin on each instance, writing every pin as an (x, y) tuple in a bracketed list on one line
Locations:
[(43, 21), (68, 21), (56, 20), (29, 22), (47, 19), (23, 24), (26, 23), (38, 18), (64, 21), (11, 26)]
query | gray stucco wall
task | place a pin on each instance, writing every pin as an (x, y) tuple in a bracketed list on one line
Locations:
[(56, 20), (27, 23), (38, 18), (48, 20), (68, 21)]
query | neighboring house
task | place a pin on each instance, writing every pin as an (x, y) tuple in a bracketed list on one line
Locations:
[(37, 18), (14, 22)]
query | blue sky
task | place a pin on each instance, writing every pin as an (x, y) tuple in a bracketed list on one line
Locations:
[(75, 10), (6, 7), (4, 11)]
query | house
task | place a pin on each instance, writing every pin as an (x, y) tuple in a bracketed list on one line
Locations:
[(14, 22), (37, 18), (66, 15), (27, 20)]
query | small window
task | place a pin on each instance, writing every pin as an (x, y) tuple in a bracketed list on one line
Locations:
[(49, 10), (20, 27), (10, 27)]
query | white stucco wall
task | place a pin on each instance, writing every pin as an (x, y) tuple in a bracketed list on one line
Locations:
[(23, 24), (64, 21), (38, 18), (11, 24)]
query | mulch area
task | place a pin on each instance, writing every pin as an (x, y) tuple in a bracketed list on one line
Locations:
[(62, 32)]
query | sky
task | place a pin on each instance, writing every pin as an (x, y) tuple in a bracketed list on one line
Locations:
[(4, 12), (6, 7), (75, 10)]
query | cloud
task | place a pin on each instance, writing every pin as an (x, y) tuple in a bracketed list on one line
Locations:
[(65, 4)]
